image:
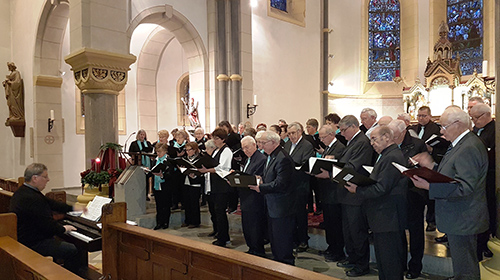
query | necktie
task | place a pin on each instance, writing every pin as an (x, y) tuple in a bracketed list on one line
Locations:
[(479, 131), (246, 165), (268, 160), (421, 133), (449, 148), (379, 156), (327, 149)]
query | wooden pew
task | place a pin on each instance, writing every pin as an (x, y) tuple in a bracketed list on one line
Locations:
[(11, 184), (19, 262), (131, 252), (5, 197)]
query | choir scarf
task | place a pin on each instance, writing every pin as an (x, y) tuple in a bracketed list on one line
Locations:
[(145, 159), (159, 180)]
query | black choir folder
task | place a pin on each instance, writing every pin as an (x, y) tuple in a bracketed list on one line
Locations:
[(437, 141), (347, 174), (241, 179), (429, 175), (315, 164)]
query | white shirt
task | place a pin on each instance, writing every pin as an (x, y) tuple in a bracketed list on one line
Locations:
[(359, 131), (455, 142)]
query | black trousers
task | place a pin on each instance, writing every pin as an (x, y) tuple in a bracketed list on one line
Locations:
[(217, 204), (301, 230), (191, 203), (254, 226), (280, 230), (355, 230), (332, 215), (74, 259), (416, 208), (313, 183), (391, 252), (163, 200)]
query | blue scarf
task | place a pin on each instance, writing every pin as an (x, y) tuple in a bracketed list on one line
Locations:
[(145, 159), (159, 180)]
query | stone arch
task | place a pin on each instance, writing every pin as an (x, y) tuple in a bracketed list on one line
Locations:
[(171, 24), (47, 96)]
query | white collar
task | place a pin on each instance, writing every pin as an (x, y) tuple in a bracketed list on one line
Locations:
[(333, 142), (455, 142)]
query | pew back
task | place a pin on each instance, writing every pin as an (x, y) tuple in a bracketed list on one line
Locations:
[(131, 252)]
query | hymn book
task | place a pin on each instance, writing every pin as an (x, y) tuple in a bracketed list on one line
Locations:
[(241, 179), (429, 175), (316, 164), (347, 174)]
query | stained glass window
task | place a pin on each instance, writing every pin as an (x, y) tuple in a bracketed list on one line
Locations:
[(383, 36), (279, 4), (465, 20)]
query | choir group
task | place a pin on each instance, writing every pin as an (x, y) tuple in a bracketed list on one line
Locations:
[(275, 209)]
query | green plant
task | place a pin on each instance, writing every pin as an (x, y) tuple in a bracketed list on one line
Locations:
[(95, 179)]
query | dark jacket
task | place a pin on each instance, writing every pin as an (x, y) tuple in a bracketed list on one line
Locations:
[(329, 189), (252, 201), (410, 147), (300, 155), (34, 215), (359, 152), (277, 189), (385, 202)]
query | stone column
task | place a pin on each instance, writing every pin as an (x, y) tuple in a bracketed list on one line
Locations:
[(235, 109), (222, 77), (100, 76)]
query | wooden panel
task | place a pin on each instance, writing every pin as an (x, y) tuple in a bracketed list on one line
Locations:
[(5, 197), (210, 264), (8, 225)]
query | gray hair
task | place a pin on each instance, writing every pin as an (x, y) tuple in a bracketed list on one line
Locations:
[(248, 139), (296, 125), (478, 99), (327, 129), (198, 129), (271, 136), (405, 117), (349, 120), (259, 134), (453, 114), (384, 130), (210, 144), (370, 112), (482, 109), (32, 170)]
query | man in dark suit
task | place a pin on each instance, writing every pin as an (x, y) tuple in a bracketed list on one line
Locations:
[(36, 227), (313, 137), (461, 209), (368, 118), (358, 152), (425, 129), (411, 146), (279, 195), (253, 209), (484, 127), (385, 205), (332, 213), (300, 150)]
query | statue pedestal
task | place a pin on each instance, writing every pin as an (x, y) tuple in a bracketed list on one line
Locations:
[(89, 194), (490, 269), (17, 126)]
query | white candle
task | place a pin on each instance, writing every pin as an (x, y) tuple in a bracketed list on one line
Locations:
[(485, 68), (255, 99), (52, 114)]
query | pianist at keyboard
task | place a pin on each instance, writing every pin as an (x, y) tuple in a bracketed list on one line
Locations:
[(36, 227)]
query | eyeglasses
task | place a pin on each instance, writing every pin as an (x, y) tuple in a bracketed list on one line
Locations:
[(477, 118), (448, 125), (44, 176), (262, 143), (342, 130), (187, 150), (421, 116)]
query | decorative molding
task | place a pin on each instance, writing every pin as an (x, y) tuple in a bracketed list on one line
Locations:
[(98, 71), (236, 77), (222, 77), (48, 81), (367, 96)]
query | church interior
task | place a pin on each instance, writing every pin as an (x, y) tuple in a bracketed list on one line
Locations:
[(97, 71)]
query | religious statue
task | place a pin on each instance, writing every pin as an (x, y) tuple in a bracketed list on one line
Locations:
[(192, 112), (14, 93)]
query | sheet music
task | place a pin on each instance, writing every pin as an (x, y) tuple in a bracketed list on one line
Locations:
[(399, 167), (368, 168), (95, 208)]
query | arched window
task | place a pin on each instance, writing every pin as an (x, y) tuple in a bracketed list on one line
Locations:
[(383, 36), (465, 20)]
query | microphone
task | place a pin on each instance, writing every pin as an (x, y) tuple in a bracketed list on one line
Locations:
[(125, 146)]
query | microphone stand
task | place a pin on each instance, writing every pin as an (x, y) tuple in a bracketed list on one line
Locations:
[(125, 146)]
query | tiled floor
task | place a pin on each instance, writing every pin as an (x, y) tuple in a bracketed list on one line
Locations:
[(307, 260)]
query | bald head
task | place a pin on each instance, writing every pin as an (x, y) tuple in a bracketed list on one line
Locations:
[(454, 122), (385, 120), (398, 128)]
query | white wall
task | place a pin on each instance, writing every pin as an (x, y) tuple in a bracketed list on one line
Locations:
[(286, 66), (74, 144), (173, 65)]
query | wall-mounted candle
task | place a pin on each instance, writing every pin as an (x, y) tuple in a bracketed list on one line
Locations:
[(52, 115), (485, 68), (255, 99)]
